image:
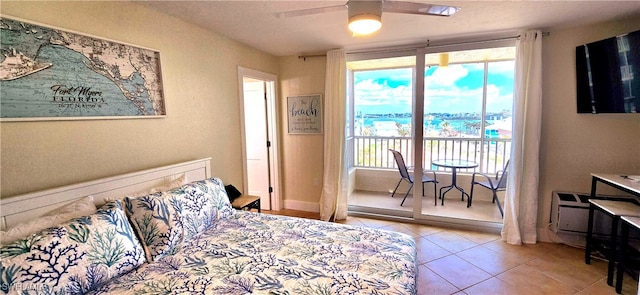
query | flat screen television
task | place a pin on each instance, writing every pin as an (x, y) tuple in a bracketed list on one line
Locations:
[(608, 75)]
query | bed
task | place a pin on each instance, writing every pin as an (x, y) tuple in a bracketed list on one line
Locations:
[(188, 240)]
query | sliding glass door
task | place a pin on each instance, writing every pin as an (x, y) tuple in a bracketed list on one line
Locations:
[(382, 96), (460, 96), (467, 107)]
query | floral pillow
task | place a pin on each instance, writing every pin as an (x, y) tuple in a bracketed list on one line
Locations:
[(214, 189), (74, 257), (76, 209), (157, 223), (164, 220)]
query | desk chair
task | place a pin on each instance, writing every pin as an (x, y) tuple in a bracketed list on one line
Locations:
[(404, 174), (499, 183), (241, 201), (246, 202)]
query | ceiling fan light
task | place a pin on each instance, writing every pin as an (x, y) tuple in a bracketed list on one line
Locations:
[(365, 24)]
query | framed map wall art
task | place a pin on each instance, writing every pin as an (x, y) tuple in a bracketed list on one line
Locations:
[(304, 114), (51, 74)]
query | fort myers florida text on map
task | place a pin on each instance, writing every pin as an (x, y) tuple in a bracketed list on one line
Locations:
[(50, 73)]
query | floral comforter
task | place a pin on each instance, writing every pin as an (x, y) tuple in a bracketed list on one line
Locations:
[(266, 254)]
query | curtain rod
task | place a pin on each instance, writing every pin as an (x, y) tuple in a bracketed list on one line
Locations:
[(544, 34), (411, 47), (416, 46), (304, 57)]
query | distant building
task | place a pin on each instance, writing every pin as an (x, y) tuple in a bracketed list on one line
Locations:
[(499, 129)]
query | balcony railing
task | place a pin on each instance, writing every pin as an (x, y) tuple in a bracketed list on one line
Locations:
[(373, 152)]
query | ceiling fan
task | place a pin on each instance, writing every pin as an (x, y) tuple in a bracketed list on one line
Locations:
[(365, 16)]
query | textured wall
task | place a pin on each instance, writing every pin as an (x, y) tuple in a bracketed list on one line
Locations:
[(199, 69), (574, 145), (302, 158)]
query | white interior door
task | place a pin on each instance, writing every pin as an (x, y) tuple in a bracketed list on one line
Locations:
[(259, 119), (256, 137)]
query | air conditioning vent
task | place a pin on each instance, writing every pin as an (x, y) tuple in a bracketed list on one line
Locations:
[(570, 216), (565, 197)]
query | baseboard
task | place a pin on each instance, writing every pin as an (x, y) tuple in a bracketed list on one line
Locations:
[(302, 206)]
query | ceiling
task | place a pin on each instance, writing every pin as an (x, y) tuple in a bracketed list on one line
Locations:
[(253, 22)]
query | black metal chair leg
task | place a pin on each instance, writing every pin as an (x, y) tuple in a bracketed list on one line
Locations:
[(497, 201), (397, 186), (405, 195)]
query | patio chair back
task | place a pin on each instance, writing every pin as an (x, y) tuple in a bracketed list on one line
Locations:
[(502, 182), (402, 167)]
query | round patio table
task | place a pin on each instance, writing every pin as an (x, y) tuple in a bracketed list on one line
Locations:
[(454, 164)]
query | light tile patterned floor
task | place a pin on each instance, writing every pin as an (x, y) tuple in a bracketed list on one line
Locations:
[(465, 262)]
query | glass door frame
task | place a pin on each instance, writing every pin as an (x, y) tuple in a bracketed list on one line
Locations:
[(418, 120), (418, 133)]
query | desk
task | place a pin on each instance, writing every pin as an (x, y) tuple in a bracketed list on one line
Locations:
[(454, 164), (626, 223), (616, 209)]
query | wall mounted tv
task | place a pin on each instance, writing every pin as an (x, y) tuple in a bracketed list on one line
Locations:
[(608, 75)]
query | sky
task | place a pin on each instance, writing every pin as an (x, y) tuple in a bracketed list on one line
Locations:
[(453, 89)]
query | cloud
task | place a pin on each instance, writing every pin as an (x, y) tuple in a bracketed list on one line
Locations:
[(441, 91), (496, 100), (368, 92), (446, 76), (453, 100), (502, 67)]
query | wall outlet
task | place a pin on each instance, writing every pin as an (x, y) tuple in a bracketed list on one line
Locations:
[(316, 182)]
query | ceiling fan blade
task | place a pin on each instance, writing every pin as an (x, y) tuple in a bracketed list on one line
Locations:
[(301, 12), (418, 8)]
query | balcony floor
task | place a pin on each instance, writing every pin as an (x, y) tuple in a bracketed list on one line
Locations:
[(481, 209)]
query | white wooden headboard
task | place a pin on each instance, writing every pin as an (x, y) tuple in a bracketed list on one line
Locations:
[(26, 207)]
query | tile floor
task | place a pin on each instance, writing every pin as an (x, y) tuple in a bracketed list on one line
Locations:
[(465, 262)]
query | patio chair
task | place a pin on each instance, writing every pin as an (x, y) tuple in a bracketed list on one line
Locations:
[(405, 176), (499, 183)]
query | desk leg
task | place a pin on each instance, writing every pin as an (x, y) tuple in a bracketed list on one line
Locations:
[(612, 249), (621, 256), (587, 249)]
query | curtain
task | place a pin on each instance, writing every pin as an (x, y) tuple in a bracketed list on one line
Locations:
[(333, 201), (521, 198)]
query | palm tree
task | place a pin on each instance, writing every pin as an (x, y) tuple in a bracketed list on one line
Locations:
[(445, 129), (474, 127), (429, 119), (369, 131), (403, 131)]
